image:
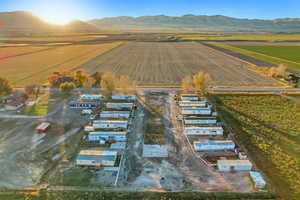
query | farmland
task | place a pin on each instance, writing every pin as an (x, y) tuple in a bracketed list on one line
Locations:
[(35, 67), (286, 55), (268, 126), (163, 63)]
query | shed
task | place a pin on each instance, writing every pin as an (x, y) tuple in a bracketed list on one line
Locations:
[(199, 120), (207, 145), (128, 97), (238, 165), (118, 136), (119, 105), (96, 158), (110, 124), (43, 127), (189, 97), (196, 110), (204, 131), (258, 180), (115, 114), (91, 97), (192, 103)]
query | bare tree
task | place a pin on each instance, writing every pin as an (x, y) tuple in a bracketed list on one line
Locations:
[(187, 83), (108, 82), (202, 81)]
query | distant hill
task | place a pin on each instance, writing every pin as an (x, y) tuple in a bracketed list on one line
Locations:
[(25, 23), (199, 22)]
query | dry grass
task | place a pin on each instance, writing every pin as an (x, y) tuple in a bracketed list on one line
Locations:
[(34, 68)]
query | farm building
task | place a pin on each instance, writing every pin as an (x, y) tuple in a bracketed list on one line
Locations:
[(90, 97), (110, 124), (43, 127), (192, 103), (238, 165), (206, 145), (97, 136), (115, 114), (119, 105), (87, 105), (128, 97), (258, 180), (204, 131), (189, 97), (199, 120), (96, 158), (196, 111)]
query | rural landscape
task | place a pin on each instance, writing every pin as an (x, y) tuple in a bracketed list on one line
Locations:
[(112, 106)]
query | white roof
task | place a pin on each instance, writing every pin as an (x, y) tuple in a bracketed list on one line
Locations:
[(97, 152), (43, 125), (234, 162)]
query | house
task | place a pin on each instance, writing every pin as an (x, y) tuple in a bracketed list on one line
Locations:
[(90, 97), (119, 105), (43, 127), (128, 97), (86, 105), (118, 136), (96, 158), (15, 105), (204, 131), (200, 120), (257, 179), (189, 97), (214, 145), (115, 114), (196, 110), (110, 124), (192, 103), (237, 165)]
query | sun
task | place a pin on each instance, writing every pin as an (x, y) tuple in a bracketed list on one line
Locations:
[(57, 18)]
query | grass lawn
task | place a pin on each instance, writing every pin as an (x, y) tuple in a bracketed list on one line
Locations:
[(285, 55), (42, 107), (269, 127)]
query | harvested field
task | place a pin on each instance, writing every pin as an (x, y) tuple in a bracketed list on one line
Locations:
[(8, 52), (163, 63), (35, 67)]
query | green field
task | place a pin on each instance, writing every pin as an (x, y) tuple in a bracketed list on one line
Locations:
[(269, 127), (285, 55)]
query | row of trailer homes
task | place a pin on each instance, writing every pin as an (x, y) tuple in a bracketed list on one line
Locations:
[(200, 122), (110, 127)]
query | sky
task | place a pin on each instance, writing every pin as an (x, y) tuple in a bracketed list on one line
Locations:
[(62, 11)]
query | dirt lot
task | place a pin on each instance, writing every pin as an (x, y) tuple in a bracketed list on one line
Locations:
[(166, 63)]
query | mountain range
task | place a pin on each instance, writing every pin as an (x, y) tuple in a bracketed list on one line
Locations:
[(22, 22)]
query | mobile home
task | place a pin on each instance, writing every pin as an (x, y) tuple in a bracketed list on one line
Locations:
[(110, 124), (207, 145), (118, 136), (258, 180), (196, 111), (43, 127), (96, 158), (237, 165), (90, 97), (115, 114), (192, 103), (128, 97), (204, 131), (86, 105), (119, 105), (189, 97), (199, 120)]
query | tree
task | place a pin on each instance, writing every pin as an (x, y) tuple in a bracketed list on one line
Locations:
[(187, 83), (33, 89), (281, 71), (5, 87), (124, 83), (108, 82), (89, 82), (272, 72), (79, 78), (202, 82), (97, 76), (67, 87)]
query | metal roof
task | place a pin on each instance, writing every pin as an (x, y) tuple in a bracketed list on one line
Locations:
[(234, 162), (204, 128), (98, 153), (214, 142), (115, 112), (108, 133), (43, 125)]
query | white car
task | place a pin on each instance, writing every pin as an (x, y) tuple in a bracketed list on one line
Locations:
[(86, 112)]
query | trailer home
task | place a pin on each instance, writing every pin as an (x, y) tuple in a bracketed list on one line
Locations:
[(189, 97), (128, 97), (90, 97), (214, 145), (96, 158), (110, 124), (86, 105), (258, 180), (192, 103), (119, 105), (237, 165), (196, 110), (118, 136), (43, 127), (115, 114), (204, 131), (200, 120)]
